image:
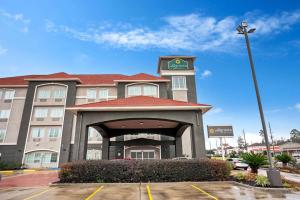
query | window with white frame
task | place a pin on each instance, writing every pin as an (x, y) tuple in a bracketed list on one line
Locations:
[(59, 94), (91, 93), (4, 114), (2, 134), (43, 94), (1, 92), (57, 112), (41, 157), (134, 90), (178, 82), (9, 94), (41, 112), (103, 93), (54, 132), (37, 132), (150, 90)]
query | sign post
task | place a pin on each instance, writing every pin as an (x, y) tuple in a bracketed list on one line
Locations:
[(220, 132)]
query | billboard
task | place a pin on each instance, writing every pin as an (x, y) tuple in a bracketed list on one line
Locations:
[(220, 131)]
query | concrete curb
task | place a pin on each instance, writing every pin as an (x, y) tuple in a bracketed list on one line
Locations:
[(233, 182), (262, 188)]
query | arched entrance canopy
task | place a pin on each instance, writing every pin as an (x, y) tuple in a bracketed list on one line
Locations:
[(121, 127)]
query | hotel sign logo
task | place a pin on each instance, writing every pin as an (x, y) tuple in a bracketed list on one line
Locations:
[(177, 63), (220, 131)]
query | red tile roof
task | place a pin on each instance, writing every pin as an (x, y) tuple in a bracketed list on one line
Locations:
[(142, 77), (16, 80), (139, 101), (84, 79)]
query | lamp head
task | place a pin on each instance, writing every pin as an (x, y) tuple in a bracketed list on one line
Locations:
[(244, 24), (240, 29)]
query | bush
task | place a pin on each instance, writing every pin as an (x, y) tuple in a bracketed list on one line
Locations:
[(240, 176), (284, 158), (109, 171), (9, 165), (262, 181), (255, 161)]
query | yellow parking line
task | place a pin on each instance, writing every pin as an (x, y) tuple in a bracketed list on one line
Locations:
[(197, 188), (94, 193), (38, 194), (149, 192)]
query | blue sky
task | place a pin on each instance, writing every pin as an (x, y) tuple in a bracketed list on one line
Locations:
[(128, 36)]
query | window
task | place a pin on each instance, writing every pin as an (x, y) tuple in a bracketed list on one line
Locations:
[(41, 157), (29, 158), (43, 94), (91, 94), (54, 132), (134, 90), (150, 90), (103, 94), (37, 158), (9, 94), (57, 112), (59, 94), (4, 114), (178, 82), (142, 155), (1, 94), (2, 134), (53, 157), (41, 112), (37, 132)]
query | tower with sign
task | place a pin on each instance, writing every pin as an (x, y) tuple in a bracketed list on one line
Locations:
[(181, 72)]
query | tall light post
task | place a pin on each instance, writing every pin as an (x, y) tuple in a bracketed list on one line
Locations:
[(273, 174)]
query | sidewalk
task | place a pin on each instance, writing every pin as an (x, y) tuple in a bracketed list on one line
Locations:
[(37, 178)]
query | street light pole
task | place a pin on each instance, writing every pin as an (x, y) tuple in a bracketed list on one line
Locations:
[(273, 174)]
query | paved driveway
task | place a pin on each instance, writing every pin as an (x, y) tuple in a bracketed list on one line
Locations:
[(151, 191)]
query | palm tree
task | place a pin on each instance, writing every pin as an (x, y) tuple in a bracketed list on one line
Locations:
[(255, 161), (284, 158)]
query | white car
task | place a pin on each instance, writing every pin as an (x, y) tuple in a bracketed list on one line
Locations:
[(238, 163)]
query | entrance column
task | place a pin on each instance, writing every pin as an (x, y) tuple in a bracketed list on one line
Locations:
[(80, 142), (178, 146), (105, 148), (198, 143)]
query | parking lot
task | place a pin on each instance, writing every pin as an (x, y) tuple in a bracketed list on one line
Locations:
[(144, 191)]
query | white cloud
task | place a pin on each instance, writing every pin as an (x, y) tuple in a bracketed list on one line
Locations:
[(297, 106), (215, 111), (2, 50), (206, 74), (192, 32), (19, 17)]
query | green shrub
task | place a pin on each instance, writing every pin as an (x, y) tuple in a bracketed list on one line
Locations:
[(9, 165), (240, 176), (284, 158), (109, 171), (255, 161), (262, 181)]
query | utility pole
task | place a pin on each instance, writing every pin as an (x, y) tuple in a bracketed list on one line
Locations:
[(271, 134), (246, 147), (273, 174)]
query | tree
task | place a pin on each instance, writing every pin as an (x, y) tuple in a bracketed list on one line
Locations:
[(233, 154), (284, 158), (241, 142), (295, 135), (255, 161)]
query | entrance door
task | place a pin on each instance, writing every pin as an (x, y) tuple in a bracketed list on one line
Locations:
[(142, 154)]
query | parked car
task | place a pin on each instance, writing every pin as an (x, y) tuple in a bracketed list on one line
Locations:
[(237, 163)]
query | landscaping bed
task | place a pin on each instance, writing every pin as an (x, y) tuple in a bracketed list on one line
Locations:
[(111, 171)]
